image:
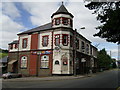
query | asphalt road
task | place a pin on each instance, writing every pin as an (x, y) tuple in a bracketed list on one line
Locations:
[(108, 79)]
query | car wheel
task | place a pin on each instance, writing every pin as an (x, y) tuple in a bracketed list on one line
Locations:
[(9, 77)]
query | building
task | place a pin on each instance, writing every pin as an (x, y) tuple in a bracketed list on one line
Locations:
[(53, 48)]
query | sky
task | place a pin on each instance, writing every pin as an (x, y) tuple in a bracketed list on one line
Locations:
[(21, 15)]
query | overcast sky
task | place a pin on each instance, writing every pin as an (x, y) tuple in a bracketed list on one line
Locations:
[(23, 15)]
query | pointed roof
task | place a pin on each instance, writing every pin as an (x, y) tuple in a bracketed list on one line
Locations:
[(62, 10)]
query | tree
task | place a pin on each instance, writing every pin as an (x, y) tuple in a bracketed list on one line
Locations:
[(108, 13), (104, 60)]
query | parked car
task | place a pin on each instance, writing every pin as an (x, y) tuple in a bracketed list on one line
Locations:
[(11, 75)]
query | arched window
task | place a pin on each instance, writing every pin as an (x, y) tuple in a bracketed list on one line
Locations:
[(24, 62), (57, 62), (45, 61)]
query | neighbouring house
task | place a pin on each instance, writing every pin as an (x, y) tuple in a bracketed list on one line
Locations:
[(53, 48), (3, 64)]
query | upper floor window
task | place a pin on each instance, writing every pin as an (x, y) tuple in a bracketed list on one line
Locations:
[(45, 41), (83, 46), (71, 41), (24, 43), (57, 21), (57, 39), (16, 46), (71, 23), (11, 46), (65, 21), (77, 43), (65, 39), (23, 62), (45, 61), (87, 49)]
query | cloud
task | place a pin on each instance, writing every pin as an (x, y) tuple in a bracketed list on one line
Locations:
[(10, 10), (40, 12), (10, 28)]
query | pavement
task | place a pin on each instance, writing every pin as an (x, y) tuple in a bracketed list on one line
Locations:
[(51, 78)]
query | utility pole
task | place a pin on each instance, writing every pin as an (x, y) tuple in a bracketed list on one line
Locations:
[(74, 49)]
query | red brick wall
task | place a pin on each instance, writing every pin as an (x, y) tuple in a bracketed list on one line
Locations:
[(34, 41), (33, 65)]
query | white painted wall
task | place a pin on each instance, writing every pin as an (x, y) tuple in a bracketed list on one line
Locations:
[(62, 15), (40, 46), (28, 42)]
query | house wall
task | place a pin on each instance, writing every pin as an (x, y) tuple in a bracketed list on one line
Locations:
[(21, 42), (49, 34), (61, 25)]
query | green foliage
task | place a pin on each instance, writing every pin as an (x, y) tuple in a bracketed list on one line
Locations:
[(3, 53), (108, 13), (104, 60)]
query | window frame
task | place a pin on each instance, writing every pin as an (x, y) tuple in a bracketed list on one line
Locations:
[(46, 40), (71, 41), (16, 46), (65, 44), (24, 42), (57, 21), (83, 46), (22, 66), (87, 48), (58, 39), (77, 43), (11, 46), (44, 61), (65, 21)]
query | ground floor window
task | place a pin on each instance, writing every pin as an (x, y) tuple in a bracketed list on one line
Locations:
[(24, 62), (45, 61)]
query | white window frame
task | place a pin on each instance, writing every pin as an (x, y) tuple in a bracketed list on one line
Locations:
[(23, 62), (44, 61)]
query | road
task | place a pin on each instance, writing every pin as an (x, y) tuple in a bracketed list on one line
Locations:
[(108, 79)]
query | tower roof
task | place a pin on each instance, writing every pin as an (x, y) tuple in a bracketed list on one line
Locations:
[(62, 10)]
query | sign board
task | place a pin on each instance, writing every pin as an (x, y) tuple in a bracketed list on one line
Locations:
[(40, 52)]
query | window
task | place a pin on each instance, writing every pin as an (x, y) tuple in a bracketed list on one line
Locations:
[(45, 61), (57, 40), (77, 43), (24, 44), (11, 46), (65, 40), (71, 23), (87, 49), (24, 62), (65, 21), (45, 41), (71, 41), (83, 46), (16, 46), (57, 21), (56, 62)]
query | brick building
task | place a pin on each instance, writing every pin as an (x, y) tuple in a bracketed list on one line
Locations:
[(53, 48)]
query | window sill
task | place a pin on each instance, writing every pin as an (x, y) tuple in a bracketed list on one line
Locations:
[(44, 68)]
